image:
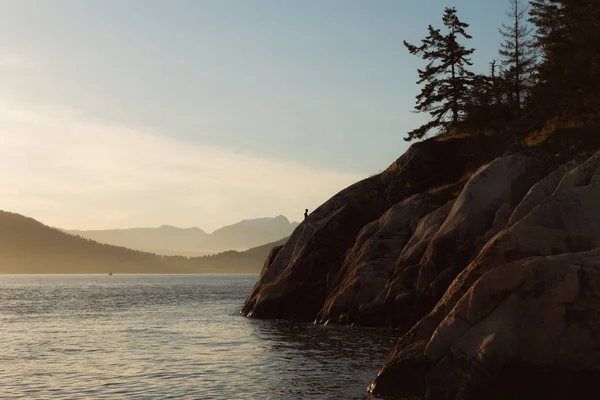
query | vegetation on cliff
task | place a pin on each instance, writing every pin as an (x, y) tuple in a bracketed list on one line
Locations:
[(446, 77), (548, 75)]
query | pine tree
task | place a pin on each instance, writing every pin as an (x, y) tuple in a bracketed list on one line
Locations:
[(487, 107), (568, 35), (445, 79), (478, 104), (548, 18), (497, 83), (518, 55)]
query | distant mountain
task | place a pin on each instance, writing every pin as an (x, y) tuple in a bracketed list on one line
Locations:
[(251, 233), (27, 246), (170, 240), (167, 240)]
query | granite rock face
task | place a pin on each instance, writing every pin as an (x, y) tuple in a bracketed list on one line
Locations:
[(400, 285), (484, 205), (293, 284), (509, 336), (308, 269), (371, 261), (491, 268), (550, 244)]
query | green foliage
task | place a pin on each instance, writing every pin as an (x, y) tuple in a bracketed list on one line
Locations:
[(519, 57), (550, 73), (446, 79), (568, 36), (486, 105)]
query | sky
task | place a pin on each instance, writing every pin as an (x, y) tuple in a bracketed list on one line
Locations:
[(118, 114)]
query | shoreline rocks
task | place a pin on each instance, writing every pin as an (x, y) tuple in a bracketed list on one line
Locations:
[(495, 278)]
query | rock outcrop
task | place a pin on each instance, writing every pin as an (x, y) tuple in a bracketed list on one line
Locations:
[(511, 335), (493, 275), (560, 226), (484, 205), (370, 262), (301, 277), (293, 284)]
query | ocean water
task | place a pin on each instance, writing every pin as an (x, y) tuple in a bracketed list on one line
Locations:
[(166, 336)]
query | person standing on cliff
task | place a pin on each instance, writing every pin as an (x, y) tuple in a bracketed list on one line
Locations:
[(305, 213)]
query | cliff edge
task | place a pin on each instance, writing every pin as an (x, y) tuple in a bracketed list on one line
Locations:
[(486, 256)]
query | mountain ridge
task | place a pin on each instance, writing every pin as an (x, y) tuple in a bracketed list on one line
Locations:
[(194, 241), (30, 247)]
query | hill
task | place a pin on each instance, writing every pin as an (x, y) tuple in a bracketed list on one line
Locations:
[(28, 246), (234, 262), (170, 240)]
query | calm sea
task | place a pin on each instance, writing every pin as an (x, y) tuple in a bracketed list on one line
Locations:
[(153, 336)]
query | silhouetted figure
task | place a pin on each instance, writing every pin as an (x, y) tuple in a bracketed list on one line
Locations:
[(305, 213)]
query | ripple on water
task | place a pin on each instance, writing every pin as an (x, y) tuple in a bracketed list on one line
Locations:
[(170, 337)]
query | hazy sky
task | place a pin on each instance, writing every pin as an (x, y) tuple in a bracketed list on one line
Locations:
[(122, 113)]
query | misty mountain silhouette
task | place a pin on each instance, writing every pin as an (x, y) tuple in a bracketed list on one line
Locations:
[(170, 240), (28, 246)]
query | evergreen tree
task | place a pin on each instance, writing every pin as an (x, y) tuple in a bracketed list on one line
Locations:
[(478, 104), (548, 18), (568, 35), (518, 55), (445, 79), (497, 84), (487, 107)]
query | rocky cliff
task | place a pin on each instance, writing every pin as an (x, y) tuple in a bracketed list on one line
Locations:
[(486, 256)]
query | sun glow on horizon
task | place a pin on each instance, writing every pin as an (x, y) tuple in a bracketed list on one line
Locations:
[(74, 172)]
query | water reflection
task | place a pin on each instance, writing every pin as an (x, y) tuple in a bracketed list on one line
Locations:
[(170, 337), (320, 360)]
